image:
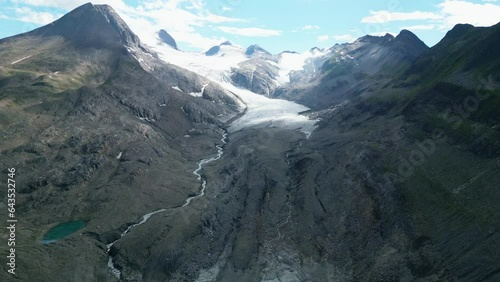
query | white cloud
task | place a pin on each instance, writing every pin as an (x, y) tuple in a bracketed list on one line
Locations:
[(388, 16), (344, 38), (420, 27), (309, 27), (448, 14), (466, 12), (250, 31), (28, 15), (323, 38), (224, 8), (181, 18), (69, 4), (182, 23)]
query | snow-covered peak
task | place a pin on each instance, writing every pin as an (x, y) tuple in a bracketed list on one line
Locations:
[(316, 49), (227, 42), (256, 49), (217, 62), (215, 67), (293, 61), (224, 49), (261, 110)]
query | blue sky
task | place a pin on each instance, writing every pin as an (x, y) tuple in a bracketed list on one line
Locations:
[(276, 25)]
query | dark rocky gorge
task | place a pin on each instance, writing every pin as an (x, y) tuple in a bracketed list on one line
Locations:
[(395, 183)]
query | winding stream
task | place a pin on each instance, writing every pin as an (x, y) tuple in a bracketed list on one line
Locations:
[(200, 167), (116, 272)]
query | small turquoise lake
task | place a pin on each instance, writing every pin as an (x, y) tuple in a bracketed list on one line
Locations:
[(62, 230)]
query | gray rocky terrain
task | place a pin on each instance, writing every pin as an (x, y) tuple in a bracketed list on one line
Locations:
[(397, 182)]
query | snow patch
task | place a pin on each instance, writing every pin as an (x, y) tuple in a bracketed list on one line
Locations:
[(273, 63), (145, 119), (199, 94), (294, 62), (177, 88), (22, 59), (209, 66), (136, 53)]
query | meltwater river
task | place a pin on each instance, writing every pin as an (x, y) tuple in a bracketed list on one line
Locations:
[(116, 272)]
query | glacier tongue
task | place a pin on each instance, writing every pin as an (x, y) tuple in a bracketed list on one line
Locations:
[(260, 110), (266, 112)]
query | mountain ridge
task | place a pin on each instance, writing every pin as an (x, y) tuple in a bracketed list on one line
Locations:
[(395, 182)]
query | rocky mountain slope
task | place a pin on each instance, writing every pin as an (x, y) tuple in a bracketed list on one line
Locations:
[(404, 171), (181, 171), (353, 68), (396, 184), (93, 123)]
